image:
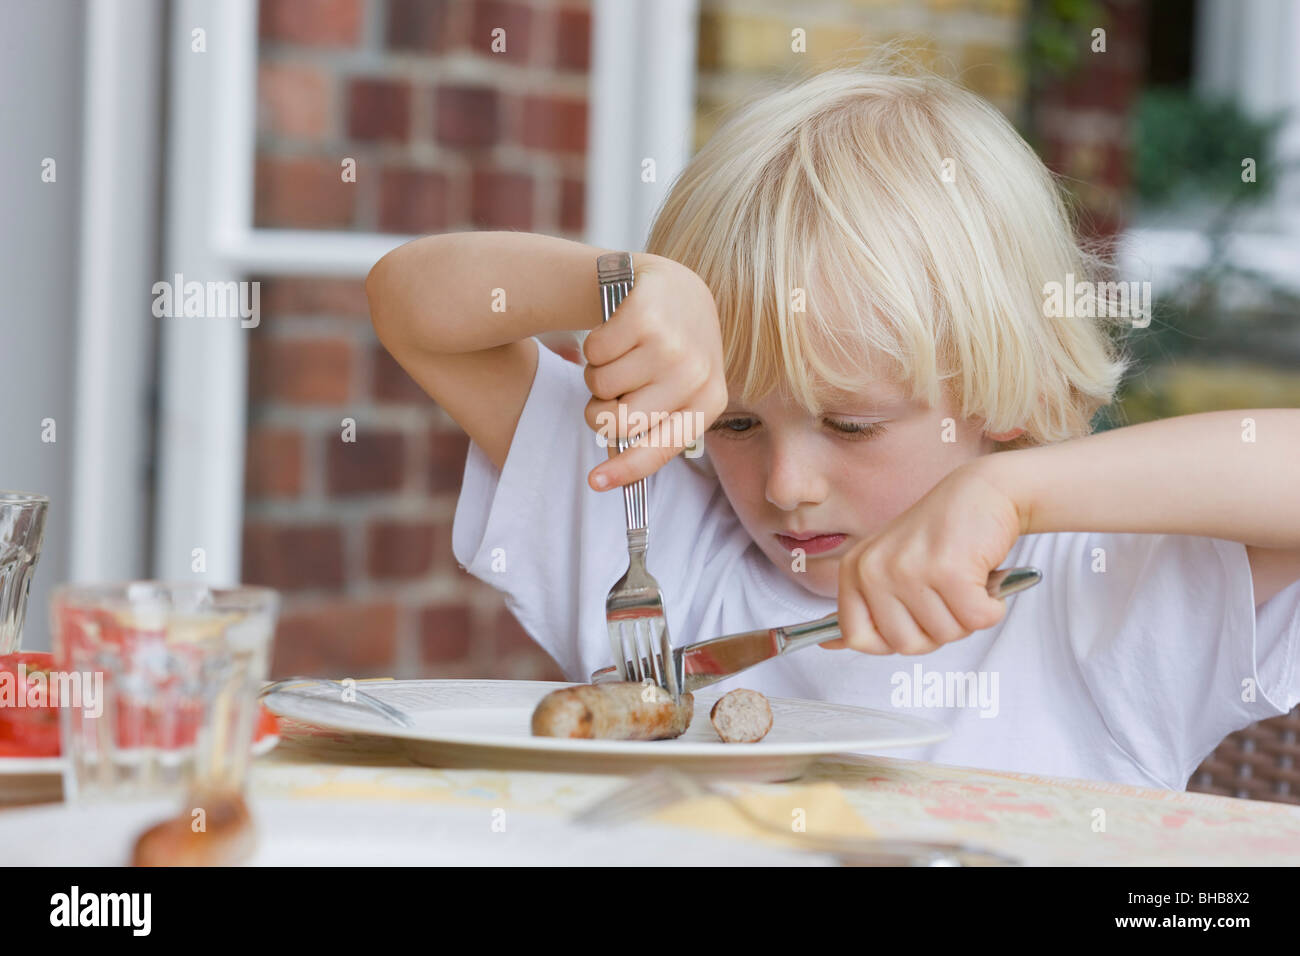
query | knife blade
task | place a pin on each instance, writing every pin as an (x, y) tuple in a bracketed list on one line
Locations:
[(707, 662)]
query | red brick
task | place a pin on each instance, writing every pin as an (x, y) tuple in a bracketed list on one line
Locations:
[(413, 201), (446, 633), (422, 25), (501, 200), (314, 23), (302, 372), (337, 639), (391, 384), (375, 462), (340, 298), (466, 116), (273, 463), (302, 194), (447, 451), (554, 124), (293, 100), (379, 110), (293, 557), (572, 205), (400, 549), (573, 40), (517, 21), (509, 635), (516, 656)]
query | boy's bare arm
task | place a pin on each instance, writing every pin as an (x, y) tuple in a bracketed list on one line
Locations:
[(458, 311), (1230, 475)]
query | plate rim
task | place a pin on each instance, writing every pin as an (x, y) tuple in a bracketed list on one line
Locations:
[(925, 730)]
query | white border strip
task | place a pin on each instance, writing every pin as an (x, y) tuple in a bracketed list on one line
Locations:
[(641, 105), (202, 371), (118, 256)]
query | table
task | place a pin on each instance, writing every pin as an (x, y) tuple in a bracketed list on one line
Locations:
[(1040, 820)]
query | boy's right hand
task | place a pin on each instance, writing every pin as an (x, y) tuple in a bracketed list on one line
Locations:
[(660, 356)]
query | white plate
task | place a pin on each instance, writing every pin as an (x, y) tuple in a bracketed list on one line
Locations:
[(487, 724), (345, 833)]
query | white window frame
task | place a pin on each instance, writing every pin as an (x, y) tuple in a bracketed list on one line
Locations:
[(641, 104)]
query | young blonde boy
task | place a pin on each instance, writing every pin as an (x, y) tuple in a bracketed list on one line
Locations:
[(849, 283)]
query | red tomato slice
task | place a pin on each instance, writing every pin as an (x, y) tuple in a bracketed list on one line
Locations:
[(267, 724), (24, 730)]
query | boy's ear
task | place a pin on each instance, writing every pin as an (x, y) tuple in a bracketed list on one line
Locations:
[(1006, 436)]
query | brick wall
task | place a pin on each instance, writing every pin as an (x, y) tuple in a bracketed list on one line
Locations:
[(447, 135), (1083, 120)]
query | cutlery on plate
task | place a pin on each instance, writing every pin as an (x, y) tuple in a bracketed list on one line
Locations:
[(634, 608), (385, 710), (664, 786), (706, 662)]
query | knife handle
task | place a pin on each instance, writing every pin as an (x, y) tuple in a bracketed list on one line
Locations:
[(1001, 583)]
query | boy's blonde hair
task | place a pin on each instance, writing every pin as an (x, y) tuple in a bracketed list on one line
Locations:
[(922, 230)]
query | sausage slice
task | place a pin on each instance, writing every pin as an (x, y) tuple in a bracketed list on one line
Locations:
[(741, 716), (623, 710)]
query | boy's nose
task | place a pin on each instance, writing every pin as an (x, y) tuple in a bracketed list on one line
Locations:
[(793, 479)]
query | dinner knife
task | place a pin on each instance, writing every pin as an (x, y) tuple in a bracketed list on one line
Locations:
[(707, 662)]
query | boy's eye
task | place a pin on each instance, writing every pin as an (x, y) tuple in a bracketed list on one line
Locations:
[(742, 425), (725, 424), (861, 429)]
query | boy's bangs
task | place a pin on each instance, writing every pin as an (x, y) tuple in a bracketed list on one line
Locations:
[(811, 314)]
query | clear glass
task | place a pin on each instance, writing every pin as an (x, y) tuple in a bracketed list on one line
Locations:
[(168, 675), (22, 532)]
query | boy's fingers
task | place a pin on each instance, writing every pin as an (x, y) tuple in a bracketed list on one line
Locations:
[(896, 625), (627, 373), (859, 633), (619, 335), (936, 621), (630, 396), (641, 459)]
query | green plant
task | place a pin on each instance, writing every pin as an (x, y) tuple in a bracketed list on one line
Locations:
[(1184, 146)]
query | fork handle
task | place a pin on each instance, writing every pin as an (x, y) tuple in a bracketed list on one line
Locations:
[(616, 276)]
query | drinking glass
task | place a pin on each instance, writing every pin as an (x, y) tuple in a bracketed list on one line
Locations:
[(161, 686), (22, 531)]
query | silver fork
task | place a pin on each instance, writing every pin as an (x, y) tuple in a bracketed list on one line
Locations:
[(634, 609), (664, 786)]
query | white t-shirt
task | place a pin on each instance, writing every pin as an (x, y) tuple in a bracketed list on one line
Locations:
[(1131, 674)]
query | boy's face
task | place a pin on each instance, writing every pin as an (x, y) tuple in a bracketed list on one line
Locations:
[(788, 473)]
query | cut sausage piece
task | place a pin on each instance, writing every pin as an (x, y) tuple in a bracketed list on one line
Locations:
[(741, 716), (622, 710), (226, 838)]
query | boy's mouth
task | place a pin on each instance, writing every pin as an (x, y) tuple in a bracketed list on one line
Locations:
[(814, 543)]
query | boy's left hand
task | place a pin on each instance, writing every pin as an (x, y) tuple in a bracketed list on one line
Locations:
[(921, 582)]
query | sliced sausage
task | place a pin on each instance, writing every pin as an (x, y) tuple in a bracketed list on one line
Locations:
[(613, 711), (741, 716), (226, 839)]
